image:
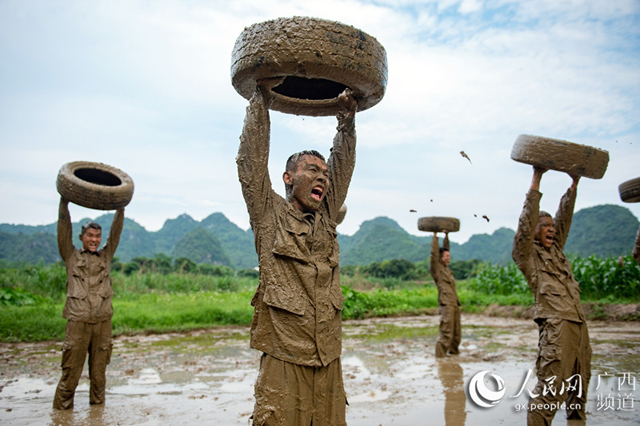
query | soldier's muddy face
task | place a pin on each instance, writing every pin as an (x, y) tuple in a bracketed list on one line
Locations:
[(445, 258), (91, 239), (545, 231), (309, 183)]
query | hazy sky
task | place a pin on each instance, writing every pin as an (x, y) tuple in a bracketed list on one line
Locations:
[(144, 86)]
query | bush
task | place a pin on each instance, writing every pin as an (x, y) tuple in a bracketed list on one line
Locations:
[(215, 270), (349, 270), (42, 281), (19, 297), (464, 269), (395, 268), (248, 273), (184, 265)]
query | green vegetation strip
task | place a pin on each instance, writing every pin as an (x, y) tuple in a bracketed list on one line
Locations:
[(165, 312), (32, 298)]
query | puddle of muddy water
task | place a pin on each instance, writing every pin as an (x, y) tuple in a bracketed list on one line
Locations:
[(390, 374)]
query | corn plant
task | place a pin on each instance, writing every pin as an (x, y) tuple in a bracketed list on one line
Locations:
[(612, 277), (499, 280)]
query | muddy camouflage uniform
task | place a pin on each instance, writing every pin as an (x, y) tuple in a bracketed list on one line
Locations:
[(450, 332), (564, 351), (297, 320), (88, 311)]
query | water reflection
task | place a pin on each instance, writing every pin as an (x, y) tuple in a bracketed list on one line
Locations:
[(451, 375), (390, 374), (93, 416)]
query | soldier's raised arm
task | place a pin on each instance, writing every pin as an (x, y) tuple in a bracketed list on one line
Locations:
[(341, 162), (115, 232), (525, 235), (564, 215), (434, 261), (253, 153), (65, 231)]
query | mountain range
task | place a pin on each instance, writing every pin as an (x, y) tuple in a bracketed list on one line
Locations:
[(606, 230)]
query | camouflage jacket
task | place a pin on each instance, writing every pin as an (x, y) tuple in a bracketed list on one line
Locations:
[(442, 275), (88, 274), (298, 302), (548, 271)]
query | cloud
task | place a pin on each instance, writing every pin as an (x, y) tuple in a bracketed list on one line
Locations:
[(146, 87)]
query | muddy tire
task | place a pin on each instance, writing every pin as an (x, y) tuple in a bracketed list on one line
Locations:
[(630, 191), (94, 185), (438, 224), (563, 156), (318, 58), (341, 214)]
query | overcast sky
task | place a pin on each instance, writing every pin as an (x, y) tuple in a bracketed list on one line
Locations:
[(144, 86)]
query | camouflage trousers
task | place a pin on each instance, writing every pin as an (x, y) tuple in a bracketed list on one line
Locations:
[(450, 331), (82, 338), (563, 368), (297, 395)]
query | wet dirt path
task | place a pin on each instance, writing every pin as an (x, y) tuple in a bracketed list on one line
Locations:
[(391, 376)]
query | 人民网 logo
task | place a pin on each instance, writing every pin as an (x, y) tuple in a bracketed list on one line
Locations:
[(481, 395)]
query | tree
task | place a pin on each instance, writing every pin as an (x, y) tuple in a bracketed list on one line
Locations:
[(184, 265)]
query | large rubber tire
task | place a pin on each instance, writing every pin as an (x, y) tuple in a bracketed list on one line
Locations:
[(318, 59), (560, 155), (341, 213), (439, 224), (94, 185), (630, 191)]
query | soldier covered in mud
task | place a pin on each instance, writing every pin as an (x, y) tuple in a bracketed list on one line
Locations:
[(450, 331), (297, 320), (564, 352), (88, 308)]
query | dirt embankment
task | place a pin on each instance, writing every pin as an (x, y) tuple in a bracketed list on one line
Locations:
[(594, 311)]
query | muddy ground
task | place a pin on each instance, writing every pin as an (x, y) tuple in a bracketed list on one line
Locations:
[(391, 376)]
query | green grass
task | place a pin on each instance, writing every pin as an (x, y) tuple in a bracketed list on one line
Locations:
[(182, 311), (32, 297), (31, 323)]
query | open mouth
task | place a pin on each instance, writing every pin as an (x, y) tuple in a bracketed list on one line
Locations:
[(549, 238), (317, 192)]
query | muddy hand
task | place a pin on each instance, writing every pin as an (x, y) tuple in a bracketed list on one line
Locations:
[(539, 170), (348, 102), (574, 184), (537, 176)]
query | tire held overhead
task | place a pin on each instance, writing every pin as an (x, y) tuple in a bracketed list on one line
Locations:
[(560, 155), (438, 224), (317, 57), (94, 185)]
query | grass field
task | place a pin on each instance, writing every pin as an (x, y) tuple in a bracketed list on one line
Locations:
[(32, 298)]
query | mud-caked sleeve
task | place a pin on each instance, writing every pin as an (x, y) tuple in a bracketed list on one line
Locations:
[(445, 241), (564, 216), (253, 156), (114, 233), (341, 163), (65, 231), (524, 238), (434, 262)]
